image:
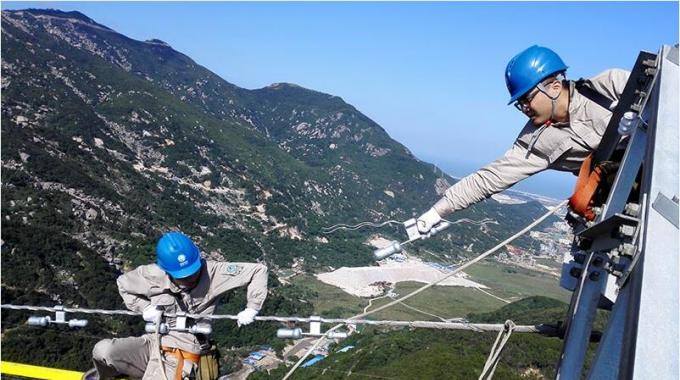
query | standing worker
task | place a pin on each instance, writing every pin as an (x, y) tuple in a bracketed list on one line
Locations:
[(180, 281), (567, 120)]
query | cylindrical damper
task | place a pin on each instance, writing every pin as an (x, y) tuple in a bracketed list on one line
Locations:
[(201, 329), (38, 321), (390, 250), (151, 328), (337, 335), (295, 333), (74, 323)]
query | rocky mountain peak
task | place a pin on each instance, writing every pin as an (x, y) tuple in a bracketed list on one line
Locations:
[(54, 14), (116, 140), (156, 41)]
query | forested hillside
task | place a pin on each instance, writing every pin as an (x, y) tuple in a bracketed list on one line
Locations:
[(107, 142), (434, 354)]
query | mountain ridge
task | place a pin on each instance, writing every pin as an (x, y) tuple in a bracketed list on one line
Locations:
[(315, 160), (107, 142)]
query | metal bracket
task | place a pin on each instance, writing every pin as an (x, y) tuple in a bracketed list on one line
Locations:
[(609, 225), (181, 321), (668, 208), (315, 325), (411, 227)]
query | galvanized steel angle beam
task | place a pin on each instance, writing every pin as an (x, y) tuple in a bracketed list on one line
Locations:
[(626, 175), (653, 340), (614, 359), (579, 321), (631, 95)]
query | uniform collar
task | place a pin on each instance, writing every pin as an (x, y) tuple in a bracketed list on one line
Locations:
[(576, 101)]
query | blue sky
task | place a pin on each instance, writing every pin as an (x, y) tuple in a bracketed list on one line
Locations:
[(431, 74)]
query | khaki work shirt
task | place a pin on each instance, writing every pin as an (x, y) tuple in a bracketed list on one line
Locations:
[(150, 285), (562, 146)]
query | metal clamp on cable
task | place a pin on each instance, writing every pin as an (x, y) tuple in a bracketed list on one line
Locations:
[(413, 235), (60, 318), (165, 328), (180, 325), (437, 229), (314, 331), (297, 333)]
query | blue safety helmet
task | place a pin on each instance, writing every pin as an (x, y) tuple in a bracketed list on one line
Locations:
[(178, 255), (529, 68)]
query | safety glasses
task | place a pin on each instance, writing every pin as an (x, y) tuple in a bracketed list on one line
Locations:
[(525, 100)]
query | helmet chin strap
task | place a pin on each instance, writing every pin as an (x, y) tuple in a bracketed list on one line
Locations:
[(553, 106), (553, 99)]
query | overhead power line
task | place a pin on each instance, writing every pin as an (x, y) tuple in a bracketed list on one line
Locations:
[(480, 327), (427, 286)]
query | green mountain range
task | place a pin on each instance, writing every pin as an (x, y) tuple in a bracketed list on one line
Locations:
[(443, 354), (107, 142)]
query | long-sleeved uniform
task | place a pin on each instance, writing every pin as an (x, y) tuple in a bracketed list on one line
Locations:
[(150, 285), (562, 146)]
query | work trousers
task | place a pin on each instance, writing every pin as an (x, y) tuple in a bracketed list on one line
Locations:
[(136, 357)]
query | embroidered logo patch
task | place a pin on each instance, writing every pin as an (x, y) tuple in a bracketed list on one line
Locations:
[(233, 269)]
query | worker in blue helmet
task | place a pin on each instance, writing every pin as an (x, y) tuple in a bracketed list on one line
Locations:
[(566, 122), (179, 257), (179, 282), (527, 71)]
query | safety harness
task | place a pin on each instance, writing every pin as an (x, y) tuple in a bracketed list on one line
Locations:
[(181, 355), (590, 176)]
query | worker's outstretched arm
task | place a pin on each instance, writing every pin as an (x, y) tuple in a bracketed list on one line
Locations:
[(514, 166), (228, 276)]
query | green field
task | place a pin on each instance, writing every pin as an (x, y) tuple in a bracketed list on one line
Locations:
[(443, 301), (329, 300), (549, 263), (505, 281), (511, 282)]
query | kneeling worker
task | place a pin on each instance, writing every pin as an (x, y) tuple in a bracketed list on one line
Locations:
[(180, 281)]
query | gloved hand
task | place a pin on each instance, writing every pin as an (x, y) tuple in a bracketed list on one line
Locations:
[(246, 317), (152, 313), (428, 220)]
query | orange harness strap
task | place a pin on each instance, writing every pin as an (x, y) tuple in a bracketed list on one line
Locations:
[(181, 355), (586, 185)]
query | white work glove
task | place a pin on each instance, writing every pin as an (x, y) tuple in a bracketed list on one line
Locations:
[(152, 313), (246, 317), (428, 220)]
